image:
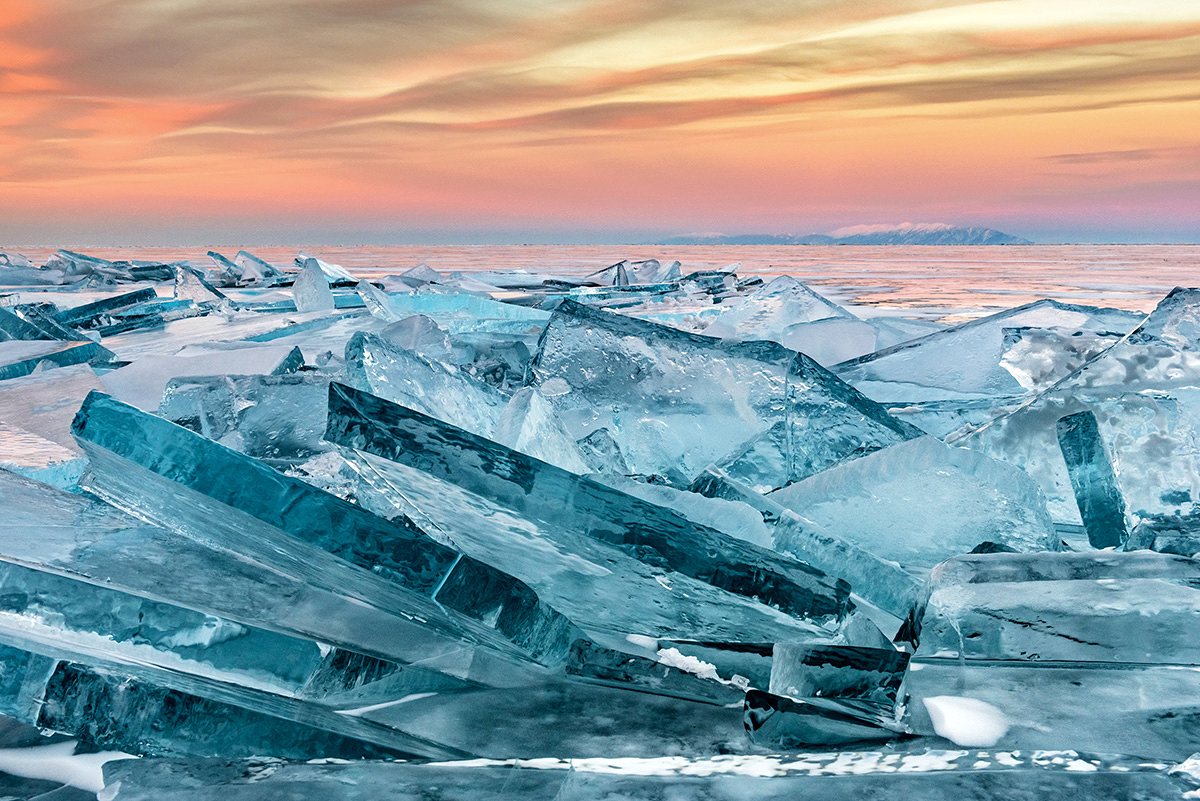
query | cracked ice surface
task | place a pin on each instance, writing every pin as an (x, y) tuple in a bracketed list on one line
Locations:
[(285, 530)]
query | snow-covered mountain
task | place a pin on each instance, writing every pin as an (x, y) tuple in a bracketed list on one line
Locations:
[(896, 234)]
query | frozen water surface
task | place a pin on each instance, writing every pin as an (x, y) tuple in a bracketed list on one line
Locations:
[(554, 522)]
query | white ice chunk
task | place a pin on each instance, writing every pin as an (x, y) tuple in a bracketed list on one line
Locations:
[(311, 289), (58, 762), (966, 721)]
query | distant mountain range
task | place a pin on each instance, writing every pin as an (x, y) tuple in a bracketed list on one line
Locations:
[(902, 234)]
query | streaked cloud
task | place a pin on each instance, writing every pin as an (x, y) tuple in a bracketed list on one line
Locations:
[(471, 113)]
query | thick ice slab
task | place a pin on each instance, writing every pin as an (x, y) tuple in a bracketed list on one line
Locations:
[(438, 389), (462, 311), (29, 321), (30, 455), (828, 695), (99, 312), (949, 775), (781, 723), (311, 289), (245, 269), (334, 273), (278, 418), (182, 480), (1101, 505), (626, 272), (21, 357), (111, 707), (172, 336), (579, 506), (967, 361), (676, 402), (1145, 394), (1093, 648), (919, 502), (86, 542), (882, 582), (790, 313), (615, 577), (529, 425)]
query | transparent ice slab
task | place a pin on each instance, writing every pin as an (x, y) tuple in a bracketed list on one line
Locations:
[(435, 388), (792, 314), (921, 501), (1038, 357), (191, 285), (28, 321), (461, 311), (966, 361), (91, 315), (22, 357), (35, 457), (882, 582), (1101, 505), (626, 272), (84, 540), (1145, 394), (311, 289), (184, 481), (45, 402), (143, 711), (239, 325), (279, 418), (244, 270), (1094, 648), (676, 402), (611, 594), (529, 425), (849, 672), (579, 507), (782, 723)]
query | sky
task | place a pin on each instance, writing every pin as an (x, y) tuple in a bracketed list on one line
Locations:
[(410, 121)]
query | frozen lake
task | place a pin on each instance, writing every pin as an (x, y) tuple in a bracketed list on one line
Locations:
[(940, 282)]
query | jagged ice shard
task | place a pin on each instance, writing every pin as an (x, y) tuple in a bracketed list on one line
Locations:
[(614, 533), (217, 495), (577, 505), (1144, 391), (675, 403)]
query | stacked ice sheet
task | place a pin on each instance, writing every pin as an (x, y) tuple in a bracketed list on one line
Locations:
[(648, 532)]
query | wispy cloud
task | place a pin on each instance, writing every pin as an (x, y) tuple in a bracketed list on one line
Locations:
[(394, 104)]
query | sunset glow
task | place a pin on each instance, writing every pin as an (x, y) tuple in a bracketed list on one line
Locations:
[(147, 121)]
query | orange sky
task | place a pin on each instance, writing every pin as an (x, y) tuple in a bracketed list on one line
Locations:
[(172, 121)]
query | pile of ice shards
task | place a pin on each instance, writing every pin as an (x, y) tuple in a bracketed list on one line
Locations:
[(287, 534)]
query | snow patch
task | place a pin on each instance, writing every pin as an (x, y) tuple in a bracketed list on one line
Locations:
[(58, 762), (966, 721)]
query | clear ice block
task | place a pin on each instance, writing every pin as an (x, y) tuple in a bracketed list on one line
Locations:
[(967, 361), (1145, 394), (1101, 505), (1097, 649), (311, 289), (921, 501), (580, 507), (186, 482), (677, 402), (20, 357)]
